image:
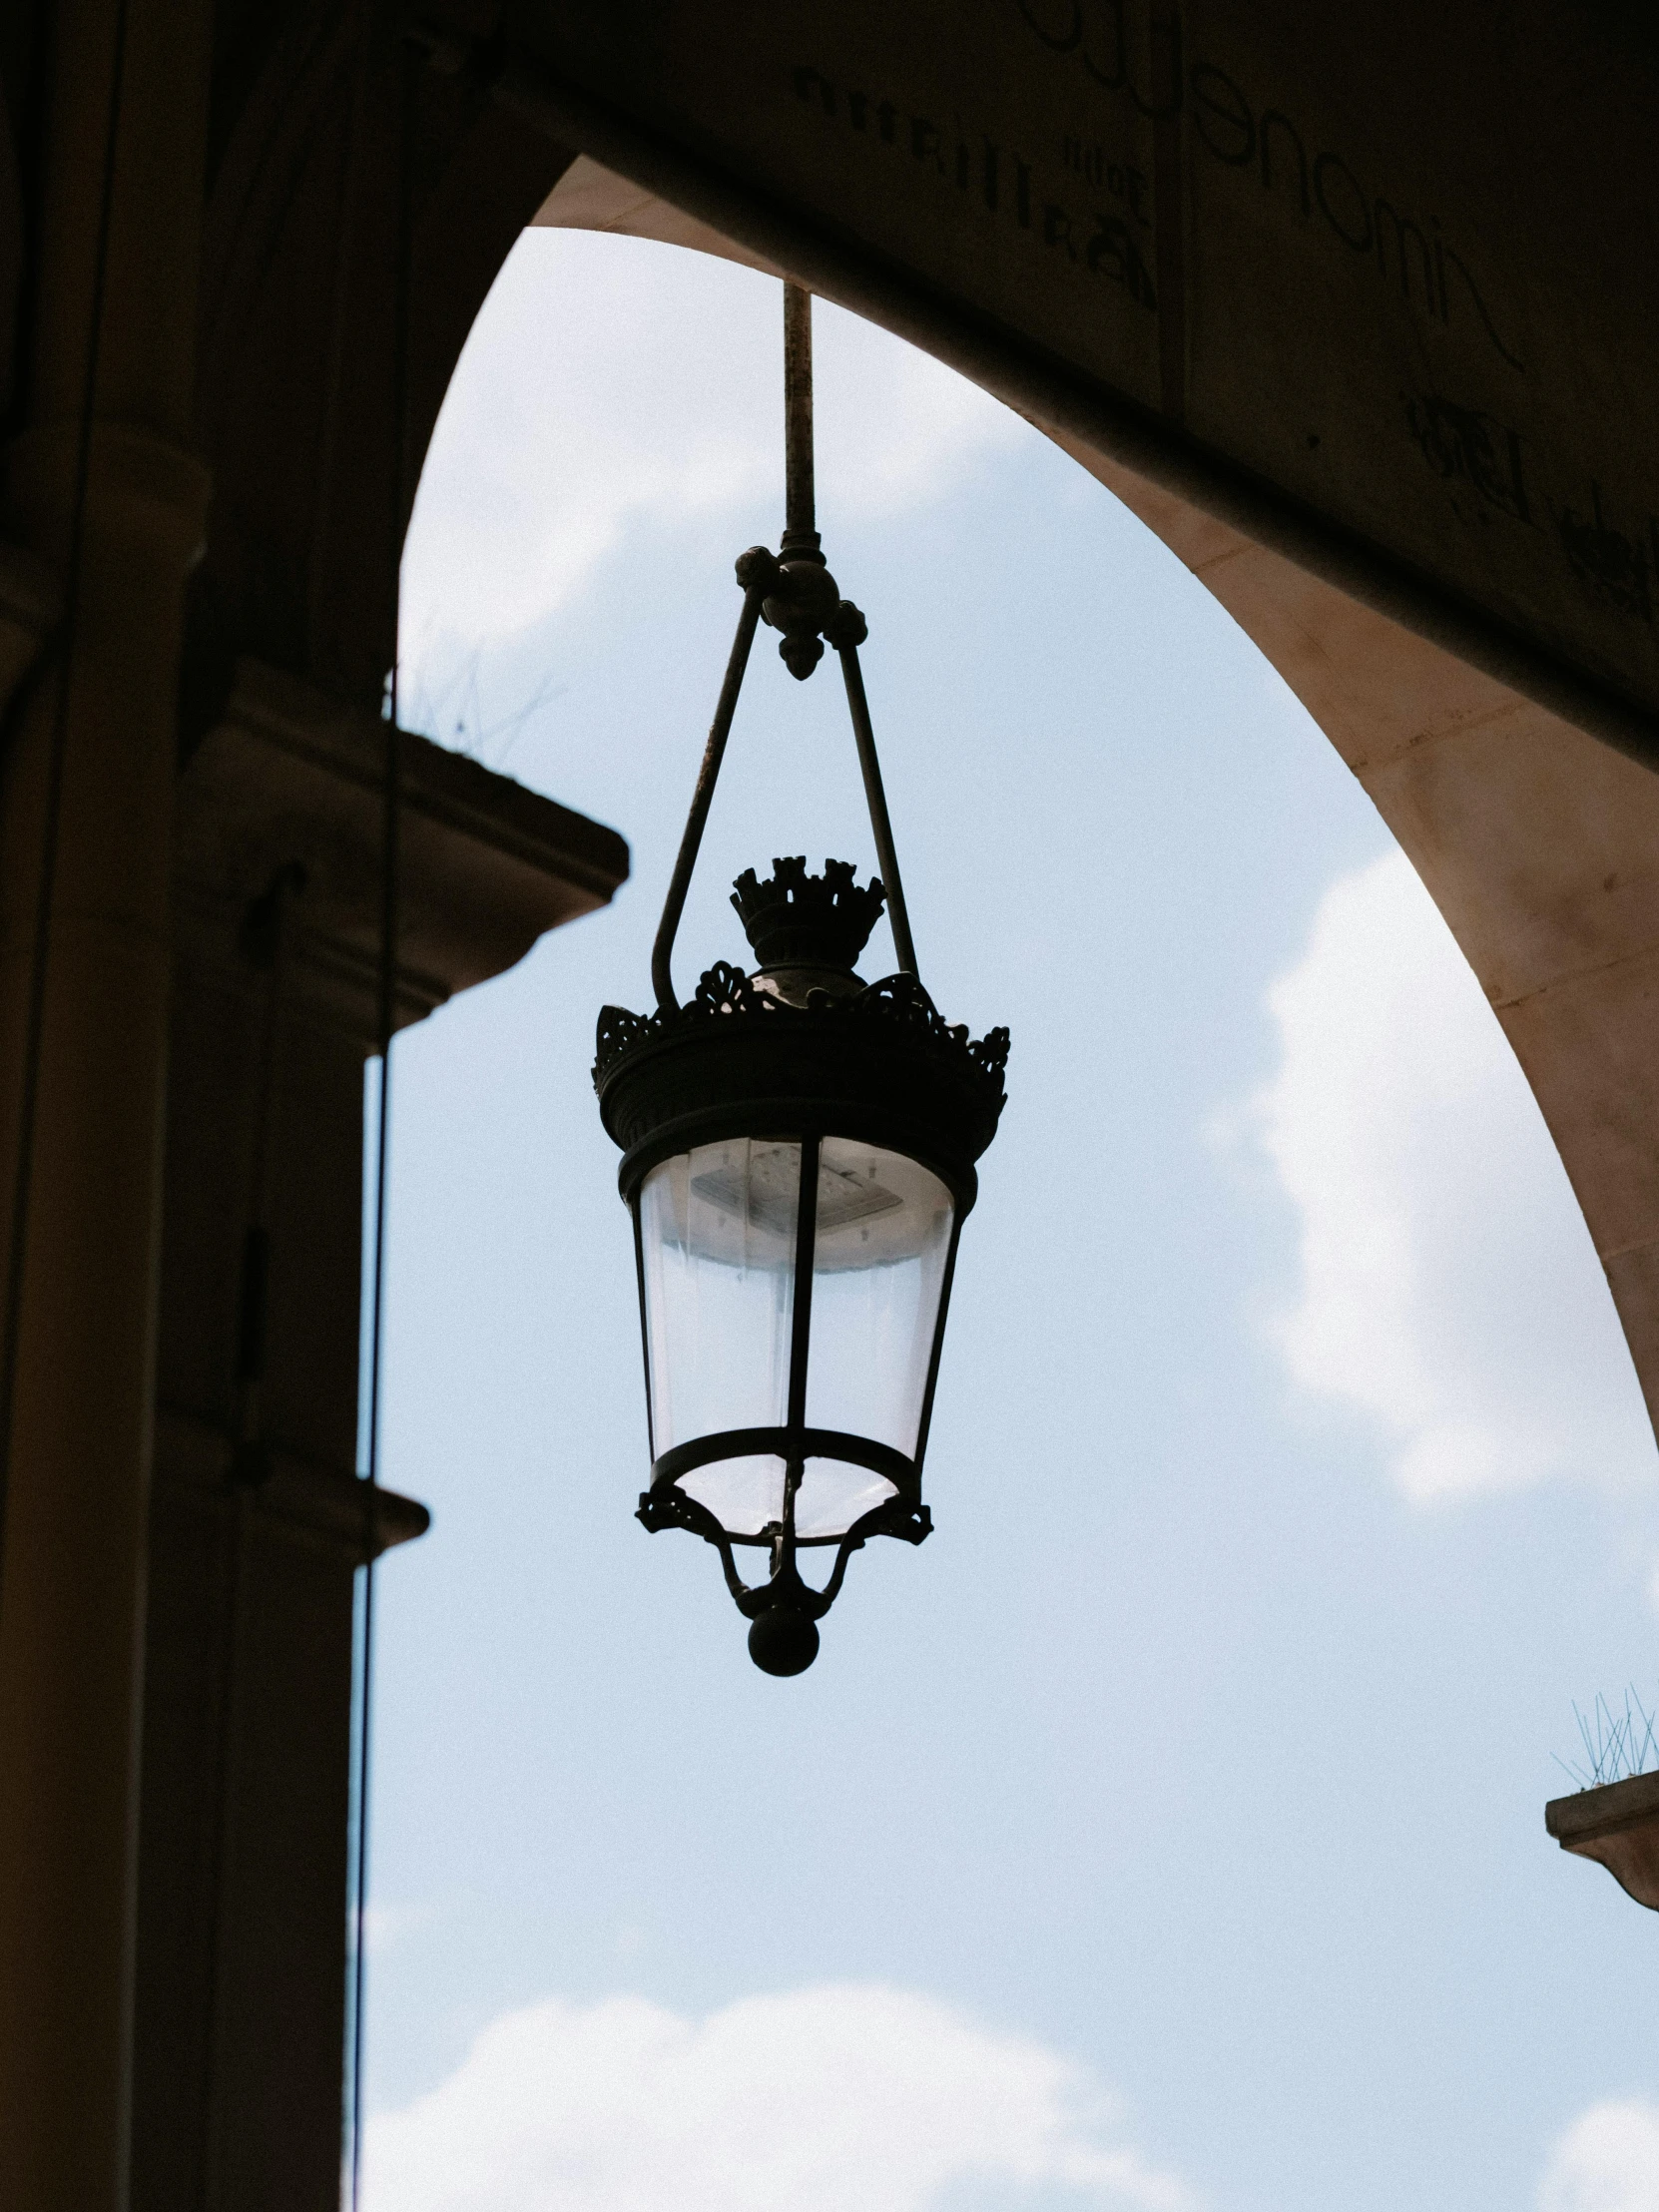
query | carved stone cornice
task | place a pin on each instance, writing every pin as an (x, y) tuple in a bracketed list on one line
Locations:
[(287, 775), (315, 1502)]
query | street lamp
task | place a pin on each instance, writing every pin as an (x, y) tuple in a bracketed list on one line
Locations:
[(798, 1156)]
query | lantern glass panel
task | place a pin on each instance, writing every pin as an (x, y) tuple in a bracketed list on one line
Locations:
[(833, 1494), (879, 1262), (717, 1250), (743, 1496)]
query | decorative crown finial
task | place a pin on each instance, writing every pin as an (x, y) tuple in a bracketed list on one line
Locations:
[(793, 919)]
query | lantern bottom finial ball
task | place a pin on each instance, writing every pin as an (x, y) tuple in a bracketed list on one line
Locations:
[(782, 1641)]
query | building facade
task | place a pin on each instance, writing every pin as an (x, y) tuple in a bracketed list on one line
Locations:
[(1354, 315)]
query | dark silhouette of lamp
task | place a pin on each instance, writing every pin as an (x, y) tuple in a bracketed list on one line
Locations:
[(798, 1155)]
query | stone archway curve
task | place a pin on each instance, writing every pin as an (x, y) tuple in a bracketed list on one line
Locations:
[(1539, 842), (1498, 769)]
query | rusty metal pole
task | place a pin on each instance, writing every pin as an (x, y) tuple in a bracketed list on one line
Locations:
[(800, 517)]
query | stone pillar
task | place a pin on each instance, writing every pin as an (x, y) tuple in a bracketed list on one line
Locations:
[(247, 1734), (71, 1597)]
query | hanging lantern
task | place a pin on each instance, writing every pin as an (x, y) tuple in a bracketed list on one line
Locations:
[(798, 1155)]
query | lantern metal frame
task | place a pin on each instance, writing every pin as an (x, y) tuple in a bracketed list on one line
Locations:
[(801, 1053), (879, 1067)]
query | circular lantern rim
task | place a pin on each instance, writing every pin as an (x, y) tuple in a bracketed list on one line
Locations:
[(879, 1067), (902, 1514)]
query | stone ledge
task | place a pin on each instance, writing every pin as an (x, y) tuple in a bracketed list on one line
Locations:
[(1618, 1827), (324, 1505), (486, 866)]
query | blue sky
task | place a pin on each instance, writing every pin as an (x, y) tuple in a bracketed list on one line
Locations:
[(1167, 1832)]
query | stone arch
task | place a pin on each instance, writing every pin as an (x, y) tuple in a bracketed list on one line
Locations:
[(1533, 837), (1474, 710), (1522, 795)]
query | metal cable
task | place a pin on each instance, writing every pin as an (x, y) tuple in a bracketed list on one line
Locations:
[(386, 1023)]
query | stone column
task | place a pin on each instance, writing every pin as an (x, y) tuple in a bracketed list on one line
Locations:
[(247, 1735), (71, 1598)]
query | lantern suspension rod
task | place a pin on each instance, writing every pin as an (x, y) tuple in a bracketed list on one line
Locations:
[(800, 518), (797, 594), (662, 951), (800, 530), (876, 800)]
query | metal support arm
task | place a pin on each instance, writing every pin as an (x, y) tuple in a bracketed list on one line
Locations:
[(662, 951), (795, 594)]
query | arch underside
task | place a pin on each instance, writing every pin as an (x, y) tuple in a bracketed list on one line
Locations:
[(1537, 840), (1391, 211)]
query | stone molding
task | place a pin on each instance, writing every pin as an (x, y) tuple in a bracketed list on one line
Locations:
[(485, 866)]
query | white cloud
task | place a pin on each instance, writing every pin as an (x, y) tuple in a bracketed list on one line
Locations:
[(610, 384), (1448, 1286), (844, 2098), (1607, 2161)]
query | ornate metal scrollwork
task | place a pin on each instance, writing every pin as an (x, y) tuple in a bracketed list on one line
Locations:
[(898, 1001)]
